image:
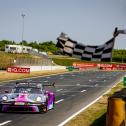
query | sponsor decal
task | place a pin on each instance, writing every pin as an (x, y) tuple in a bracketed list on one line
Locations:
[(18, 70), (19, 103)]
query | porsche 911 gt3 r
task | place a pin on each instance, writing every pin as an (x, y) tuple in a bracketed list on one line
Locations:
[(27, 97)]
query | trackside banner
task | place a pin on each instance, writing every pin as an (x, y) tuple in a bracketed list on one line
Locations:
[(18, 70), (112, 66), (101, 66), (84, 65)]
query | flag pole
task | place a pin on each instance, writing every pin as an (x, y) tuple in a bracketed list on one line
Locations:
[(115, 31)]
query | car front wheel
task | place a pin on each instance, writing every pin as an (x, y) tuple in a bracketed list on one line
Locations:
[(45, 108)]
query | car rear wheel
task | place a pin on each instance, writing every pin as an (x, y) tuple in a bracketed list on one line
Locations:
[(0, 108)]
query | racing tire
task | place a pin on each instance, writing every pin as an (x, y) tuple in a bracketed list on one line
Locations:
[(0, 107), (45, 109), (53, 103), (42, 108)]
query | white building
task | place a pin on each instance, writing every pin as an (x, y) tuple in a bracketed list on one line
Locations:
[(17, 49), (43, 53)]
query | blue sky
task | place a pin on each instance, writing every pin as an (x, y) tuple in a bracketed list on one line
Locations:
[(87, 21)]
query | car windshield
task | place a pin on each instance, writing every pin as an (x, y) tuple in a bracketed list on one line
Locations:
[(32, 90)]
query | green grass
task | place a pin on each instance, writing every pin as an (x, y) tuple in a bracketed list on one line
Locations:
[(5, 76), (95, 115), (65, 61), (6, 59)]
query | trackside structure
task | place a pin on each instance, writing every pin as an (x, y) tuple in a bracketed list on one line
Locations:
[(17, 49)]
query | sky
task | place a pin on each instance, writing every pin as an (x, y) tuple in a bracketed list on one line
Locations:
[(91, 22)]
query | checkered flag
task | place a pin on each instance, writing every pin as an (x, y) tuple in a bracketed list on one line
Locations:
[(85, 52)]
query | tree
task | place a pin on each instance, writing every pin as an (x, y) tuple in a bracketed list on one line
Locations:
[(48, 46), (5, 42), (25, 43)]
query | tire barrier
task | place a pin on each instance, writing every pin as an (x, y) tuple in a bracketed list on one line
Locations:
[(116, 111)]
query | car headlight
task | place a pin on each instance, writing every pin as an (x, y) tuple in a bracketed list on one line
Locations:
[(4, 98), (39, 99)]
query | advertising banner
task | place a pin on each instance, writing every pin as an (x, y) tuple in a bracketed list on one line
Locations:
[(82, 65), (18, 70)]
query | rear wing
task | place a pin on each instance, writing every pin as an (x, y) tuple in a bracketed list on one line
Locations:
[(50, 84), (34, 84)]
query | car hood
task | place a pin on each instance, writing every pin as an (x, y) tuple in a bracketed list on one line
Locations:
[(24, 97)]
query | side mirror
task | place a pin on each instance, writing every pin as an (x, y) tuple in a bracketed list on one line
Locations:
[(6, 91)]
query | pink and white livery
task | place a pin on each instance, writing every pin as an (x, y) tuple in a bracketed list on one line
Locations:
[(27, 97)]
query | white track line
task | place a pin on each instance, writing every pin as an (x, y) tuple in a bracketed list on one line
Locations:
[(61, 75), (95, 85), (45, 81), (59, 90), (59, 101), (73, 95), (1, 124), (48, 77), (75, 114), (73, 75), (83, 91)]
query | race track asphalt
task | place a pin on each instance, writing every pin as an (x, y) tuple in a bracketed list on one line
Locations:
[(73, 91)]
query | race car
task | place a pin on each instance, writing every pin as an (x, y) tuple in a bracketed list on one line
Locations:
[(27, 97)]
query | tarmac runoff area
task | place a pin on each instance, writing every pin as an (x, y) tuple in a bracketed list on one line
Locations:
[(74, 92)]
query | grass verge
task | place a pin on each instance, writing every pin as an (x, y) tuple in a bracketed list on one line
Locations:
[(6, 59), (5, 76), (68, 61), (95, 115)]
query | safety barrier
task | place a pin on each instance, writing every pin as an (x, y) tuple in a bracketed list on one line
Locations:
[(116, 111), (43, 68)]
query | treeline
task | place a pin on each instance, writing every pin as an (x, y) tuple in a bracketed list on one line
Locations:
[(119, 55), (119, 52), (48, 46)]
